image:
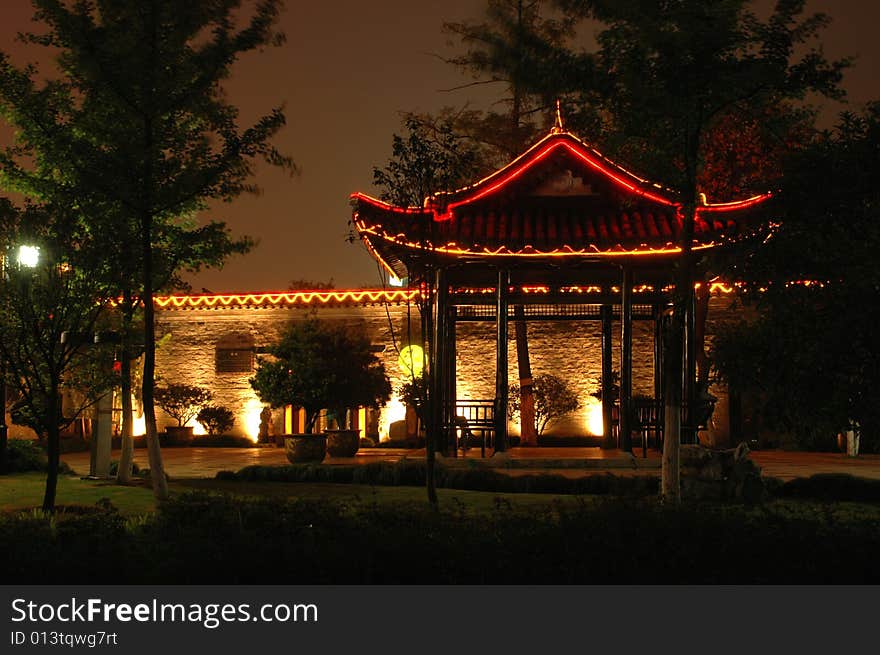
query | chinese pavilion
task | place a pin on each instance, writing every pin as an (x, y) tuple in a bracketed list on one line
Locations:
[(560, 233)]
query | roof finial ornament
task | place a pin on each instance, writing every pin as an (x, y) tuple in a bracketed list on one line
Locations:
[(558, 127)]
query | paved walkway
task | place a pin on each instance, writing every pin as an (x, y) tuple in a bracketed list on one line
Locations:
[(206, 462)]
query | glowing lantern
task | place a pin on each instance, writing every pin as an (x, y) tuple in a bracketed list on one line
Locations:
[(412, 360)]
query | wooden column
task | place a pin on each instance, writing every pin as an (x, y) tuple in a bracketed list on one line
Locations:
[(689, 392), (528, 434), (451, 390), (439, 383), (657, 312), (626, 360), (607, 384), (501, 390)]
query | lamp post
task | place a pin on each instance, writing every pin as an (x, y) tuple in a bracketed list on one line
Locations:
[(25, 257)]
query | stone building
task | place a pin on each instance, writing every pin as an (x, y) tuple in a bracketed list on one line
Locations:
[(214, 341)]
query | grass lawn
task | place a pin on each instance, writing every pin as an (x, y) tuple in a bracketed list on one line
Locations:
[(25, 491)]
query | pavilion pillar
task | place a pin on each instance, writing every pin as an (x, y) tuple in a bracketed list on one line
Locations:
[(689, 392), (451, 382), (625, 440), (657, 312), (607, 382), (439, 363), (501, 385)]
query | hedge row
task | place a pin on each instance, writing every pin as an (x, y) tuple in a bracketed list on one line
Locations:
[(406, 473), (207, 538)]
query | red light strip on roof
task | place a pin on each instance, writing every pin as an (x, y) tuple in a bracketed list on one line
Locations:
[(581, 154), (735, 205), (287, 298), (454, 249), (381, 204)]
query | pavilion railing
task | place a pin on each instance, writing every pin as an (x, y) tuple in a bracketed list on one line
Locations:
[(474, 419)]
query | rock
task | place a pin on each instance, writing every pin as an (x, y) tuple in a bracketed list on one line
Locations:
[(720, 474)]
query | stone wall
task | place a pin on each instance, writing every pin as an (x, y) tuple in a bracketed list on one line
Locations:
[(570, 350)]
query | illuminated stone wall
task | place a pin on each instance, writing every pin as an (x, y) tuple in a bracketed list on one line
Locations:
[(570, 350), (189, 339)]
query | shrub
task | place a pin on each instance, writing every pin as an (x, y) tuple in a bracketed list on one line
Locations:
[(832, 487), (216, 419), (24, 455), (554, 399), (413, 474), (182, 401)]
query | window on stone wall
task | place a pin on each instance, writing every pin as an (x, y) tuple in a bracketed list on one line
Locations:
[(235, 354)]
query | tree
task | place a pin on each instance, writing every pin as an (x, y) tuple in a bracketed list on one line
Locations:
[(554, 400), (138, 130), (667, 74), (517, 48), (182, 402), (811, 352), (430, 157), (49, 311), (321, 365)]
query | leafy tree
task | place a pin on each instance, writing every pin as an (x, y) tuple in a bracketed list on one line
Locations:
[(216, 419), (668, 73), (414, 393), (431, 157), (517, 48), (812, 352), (322, 365), (138, 130), (554, 400), (182, 402), (48, 316)]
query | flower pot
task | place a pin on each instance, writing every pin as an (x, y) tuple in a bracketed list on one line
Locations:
[(178, 436), (342, 443), (304, 448)]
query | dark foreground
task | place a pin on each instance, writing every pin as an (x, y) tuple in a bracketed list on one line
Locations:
[(217, 539)]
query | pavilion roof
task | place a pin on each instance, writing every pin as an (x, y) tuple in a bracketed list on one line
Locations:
[(559, 199)]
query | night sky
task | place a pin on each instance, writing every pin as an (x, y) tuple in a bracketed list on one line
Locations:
[(346, 72)]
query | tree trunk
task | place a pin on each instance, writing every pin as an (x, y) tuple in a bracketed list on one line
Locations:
[(157, 469), (430, 435), (53, 439), (126, 457), (528, 433), (670, 482)]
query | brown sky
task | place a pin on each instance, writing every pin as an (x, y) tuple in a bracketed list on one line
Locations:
[(348, 68)]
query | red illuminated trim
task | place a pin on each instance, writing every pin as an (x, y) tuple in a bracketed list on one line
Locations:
[(556, 141), (735, 205), (286, 299), (384, 206), (283, 299), (502, 251)]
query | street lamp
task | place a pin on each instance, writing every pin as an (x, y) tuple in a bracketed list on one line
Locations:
[(28, 256), (25, 257)]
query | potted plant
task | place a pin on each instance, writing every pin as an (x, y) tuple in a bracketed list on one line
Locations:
[(321, 365), (183, 403)]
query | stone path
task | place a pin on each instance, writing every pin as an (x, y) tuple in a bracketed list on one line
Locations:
[(206, 462)]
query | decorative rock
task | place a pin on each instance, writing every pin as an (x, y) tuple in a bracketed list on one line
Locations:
[(708, 474)]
